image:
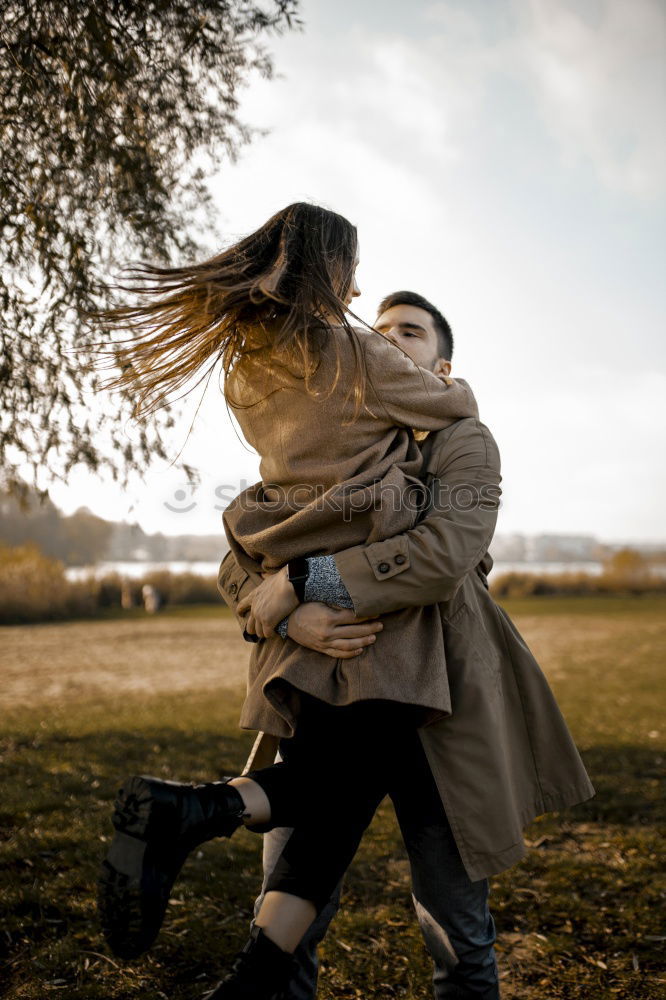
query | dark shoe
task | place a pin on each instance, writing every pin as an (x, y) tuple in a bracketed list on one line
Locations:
[(157, 825), (261, 971)]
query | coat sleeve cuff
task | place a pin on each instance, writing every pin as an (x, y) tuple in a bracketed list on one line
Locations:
[(388, 558), (364, 567)]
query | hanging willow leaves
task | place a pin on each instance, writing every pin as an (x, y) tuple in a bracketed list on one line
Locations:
[(113, 115)]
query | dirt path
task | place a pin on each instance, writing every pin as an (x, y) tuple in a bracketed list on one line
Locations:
[(79, 660)]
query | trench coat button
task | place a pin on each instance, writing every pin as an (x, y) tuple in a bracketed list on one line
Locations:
[(400, 560), (233, 588), (383, 567)]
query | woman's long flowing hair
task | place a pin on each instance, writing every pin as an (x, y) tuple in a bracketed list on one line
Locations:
[(272, 296)]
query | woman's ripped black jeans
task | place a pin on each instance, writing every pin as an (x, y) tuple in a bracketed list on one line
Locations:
[(335, 771)]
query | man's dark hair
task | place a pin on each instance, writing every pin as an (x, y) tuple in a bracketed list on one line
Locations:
[(444, 334)]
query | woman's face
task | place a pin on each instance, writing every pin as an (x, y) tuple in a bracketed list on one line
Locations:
[(353, 290)]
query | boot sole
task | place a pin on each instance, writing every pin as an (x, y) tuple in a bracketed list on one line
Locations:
[(138, 872)]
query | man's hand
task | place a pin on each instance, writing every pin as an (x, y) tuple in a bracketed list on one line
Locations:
[(268, 604), (334, 631)]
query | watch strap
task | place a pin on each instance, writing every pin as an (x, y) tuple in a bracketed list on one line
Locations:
[(297, 573)]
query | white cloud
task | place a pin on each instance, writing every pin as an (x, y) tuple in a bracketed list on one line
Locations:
[(601, 84), (596, 72), (583, 454)]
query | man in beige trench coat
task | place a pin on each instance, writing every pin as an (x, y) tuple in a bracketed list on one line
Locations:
[(505, 755)]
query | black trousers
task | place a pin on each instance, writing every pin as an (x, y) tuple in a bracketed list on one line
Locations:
[(336, 769)]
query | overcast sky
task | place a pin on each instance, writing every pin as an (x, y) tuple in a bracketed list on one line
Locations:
[(506, 159)]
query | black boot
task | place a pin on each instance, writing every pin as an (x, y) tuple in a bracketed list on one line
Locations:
[(261, 971), (157, 825)]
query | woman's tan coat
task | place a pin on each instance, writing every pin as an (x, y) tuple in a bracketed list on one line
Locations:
[(505, 754), (328, 484), (332, 477)]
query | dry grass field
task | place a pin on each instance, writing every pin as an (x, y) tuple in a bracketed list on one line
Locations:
[(82, 703)]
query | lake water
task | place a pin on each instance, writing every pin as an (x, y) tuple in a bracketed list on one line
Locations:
[(137, 569)]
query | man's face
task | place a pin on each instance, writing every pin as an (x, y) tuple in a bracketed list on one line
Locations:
[(413, 329)]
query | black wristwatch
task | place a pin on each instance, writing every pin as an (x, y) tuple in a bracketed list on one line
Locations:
[(298, 571)]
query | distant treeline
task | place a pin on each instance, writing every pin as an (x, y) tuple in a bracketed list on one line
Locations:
[(625, 572), (34, 588), (83, 538)]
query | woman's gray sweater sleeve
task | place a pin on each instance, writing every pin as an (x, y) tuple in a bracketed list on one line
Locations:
[(323, 584)]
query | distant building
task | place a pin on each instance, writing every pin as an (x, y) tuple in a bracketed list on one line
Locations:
[(508, 548), (517, 548), (562, 548)]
